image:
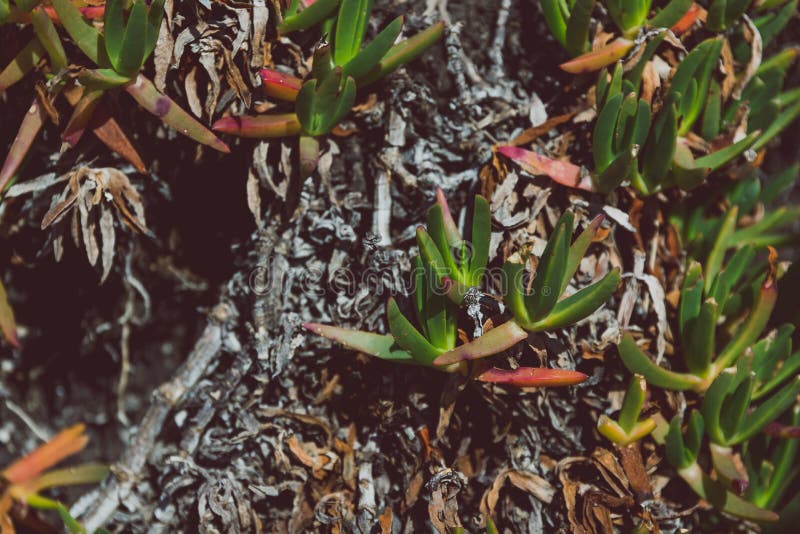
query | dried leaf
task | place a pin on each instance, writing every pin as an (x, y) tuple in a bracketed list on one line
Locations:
[(107, 236), (7, 323), (524, 480)]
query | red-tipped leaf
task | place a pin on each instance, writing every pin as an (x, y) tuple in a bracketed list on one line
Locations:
[(279, 85), (171, 114), (259, 126), (532, 377), (28, 130), (597, 59)]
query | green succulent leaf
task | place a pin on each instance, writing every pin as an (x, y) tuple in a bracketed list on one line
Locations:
[(408, 337), (48, 36), (768, 411), (691, 298), (22, 64), (577, 30), (308, 17), (81, 31), (321, 105), (550, 271), (514, 294), (367, 59), (638, 362), (722, 157), (377, 345), (670, 14), (481, 238), (556, 19), (700, 346), (351, 26), (114, 29), (578, 250), (580, 305), (404, 52), (634, 76), (632, 403)]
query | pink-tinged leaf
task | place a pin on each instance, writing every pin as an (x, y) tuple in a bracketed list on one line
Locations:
[(171, 114), (524, 377), (109, 132), (688, 20), (597, 59), (22, 64), (279, 85), (64, 444), (81, 115), (378, 345), (450, 228), (259, 126), (28, 130), (561, 172), (7, 324), (492, 342)]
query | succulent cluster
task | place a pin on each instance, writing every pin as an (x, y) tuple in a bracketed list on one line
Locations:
[(448, 268), (340, 66), (110, 59), (697, 120), (22, 482)]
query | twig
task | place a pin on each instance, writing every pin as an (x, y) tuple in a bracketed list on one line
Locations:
[(132, 462)]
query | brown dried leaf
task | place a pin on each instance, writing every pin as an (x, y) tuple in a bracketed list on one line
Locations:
[(524, 480)]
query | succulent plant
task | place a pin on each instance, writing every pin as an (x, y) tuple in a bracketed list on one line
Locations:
[(771, 463), (697, 218), (435, 342), (24, 480), (731, 419), (541, 307), (118, 54), (339, 68), (736, 413), (455, 261), (569, 23), (629, 427), (708, 295), (683, 452)]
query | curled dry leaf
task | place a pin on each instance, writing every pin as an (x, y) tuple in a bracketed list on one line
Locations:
[(97, 194), (524, 480)]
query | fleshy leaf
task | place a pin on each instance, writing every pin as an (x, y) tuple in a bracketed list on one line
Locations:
[(32, 122), (259, 126), (490, 343), (403, 52), (525, 377), (351, 25), (580, 305), (23, 62), (308, 17), (163, 107), (597, 59), (408, 337), (380, 346), (279, 85), (638, 362)]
